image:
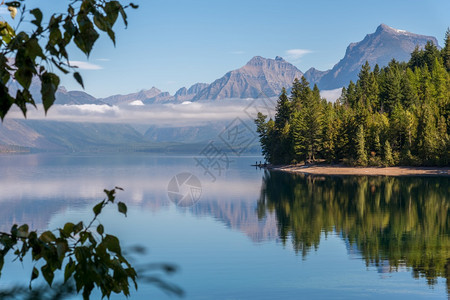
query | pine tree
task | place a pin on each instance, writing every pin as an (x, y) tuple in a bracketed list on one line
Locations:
[(361, 155), (313, 118), (445, 53), (430, 53), (377, 144), (408, 94), (283, 110), (388, 160), (376, 71), (351, 96), (391, 88), (440, 80), (416, 60), (299, 132), (262, 129), (330, 126), (301, 92), (427, 137)]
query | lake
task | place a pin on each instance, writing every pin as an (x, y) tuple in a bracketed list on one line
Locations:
[(239, 232)]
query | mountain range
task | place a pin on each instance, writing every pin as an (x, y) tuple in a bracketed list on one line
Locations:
[(268, 76), (380, 47), (271, 75), (259, 75)]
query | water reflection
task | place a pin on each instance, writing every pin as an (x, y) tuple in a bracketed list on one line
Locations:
[(392, 222)]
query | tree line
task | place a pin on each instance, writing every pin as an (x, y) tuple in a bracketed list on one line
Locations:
[(396, 115)]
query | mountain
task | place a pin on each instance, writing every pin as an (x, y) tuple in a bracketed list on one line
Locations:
[(258, 75), (62, 96), (184, 94), (155, 95), (129, 98), (313, 75), (75, 97), (379, 48)]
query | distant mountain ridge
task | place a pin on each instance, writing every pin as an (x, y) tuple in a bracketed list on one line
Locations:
[(380, 47), (271, 75)]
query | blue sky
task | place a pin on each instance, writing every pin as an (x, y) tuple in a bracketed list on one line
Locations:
[(170, 44)]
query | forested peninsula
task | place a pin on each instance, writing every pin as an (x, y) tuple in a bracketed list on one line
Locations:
[(392, 116)]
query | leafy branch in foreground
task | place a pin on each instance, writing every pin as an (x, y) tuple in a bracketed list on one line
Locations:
[(34, 54), (91, 257)]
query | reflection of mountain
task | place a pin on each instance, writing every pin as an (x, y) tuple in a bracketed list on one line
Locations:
[(402, 221), (39, 187), (240, 215), (35, 213)]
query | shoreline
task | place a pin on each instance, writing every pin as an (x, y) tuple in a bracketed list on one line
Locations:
[(366, 171)]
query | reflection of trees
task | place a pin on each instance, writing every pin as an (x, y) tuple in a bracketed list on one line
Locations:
[(404, 220)]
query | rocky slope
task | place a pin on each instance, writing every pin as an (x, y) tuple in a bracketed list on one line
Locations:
[(258, 75), (379, 48)]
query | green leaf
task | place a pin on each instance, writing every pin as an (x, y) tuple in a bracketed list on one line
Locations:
[(84, 236), (22, 231), (49, 86), (86, 37), (98, 208), (48, 274), (34, 49), (100, 229), (61, 249), (111, 35), (47, 237), (34, 275), (37, 13), (77, 228), (112, 11), (111, 195), (6, 101), (101, 22), (124, 16), (24, 73), (68, 271), (78, 78), (14, 230), (6, 32), (122, 208), (112, 244), (68, 227)]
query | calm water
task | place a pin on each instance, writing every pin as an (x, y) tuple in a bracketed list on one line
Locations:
[(252, 234)]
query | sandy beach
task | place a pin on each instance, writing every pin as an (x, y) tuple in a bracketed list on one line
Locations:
[(371, 171)]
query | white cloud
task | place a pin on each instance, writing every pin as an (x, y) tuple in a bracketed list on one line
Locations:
[(331, 95), (103, 59), (296, 54), (171, 114), (84, 65), (89, 109), (137, 102)]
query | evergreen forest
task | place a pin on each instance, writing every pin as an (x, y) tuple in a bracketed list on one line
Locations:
[(396, 115)]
